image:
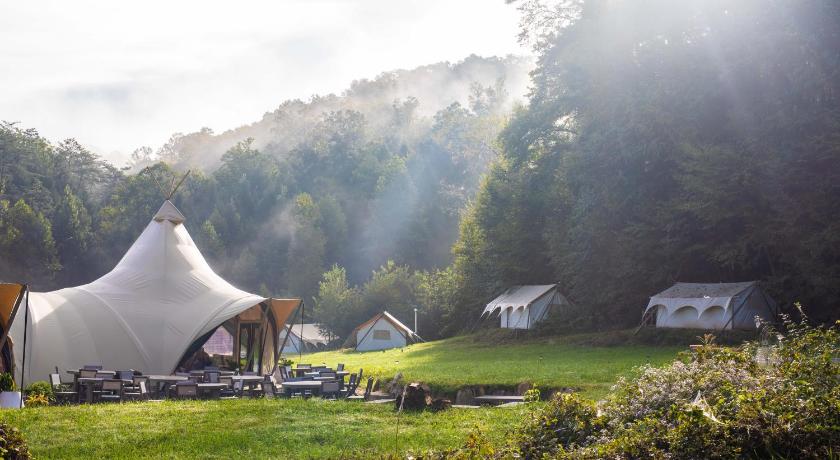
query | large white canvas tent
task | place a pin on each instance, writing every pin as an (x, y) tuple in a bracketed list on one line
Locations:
[(381, 332), (157, 306), (710, 306), (522, 307), (302, 338)]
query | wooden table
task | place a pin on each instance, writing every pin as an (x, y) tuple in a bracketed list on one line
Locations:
[(314, 385), (498, 399)]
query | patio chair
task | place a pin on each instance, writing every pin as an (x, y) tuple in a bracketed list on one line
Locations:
[(340, 367), (87, 373), (125, 375), (229, 391), (350, 389), (268, 390), (330, 390), (186, 390), (364, 397), (111, 390), (141, 393), (212, 376), (62, 391)]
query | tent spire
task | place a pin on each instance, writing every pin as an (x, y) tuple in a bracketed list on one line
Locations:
[(173, 187)]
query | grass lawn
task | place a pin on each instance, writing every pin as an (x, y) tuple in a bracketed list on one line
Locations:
[(247, 429), (447, 365)]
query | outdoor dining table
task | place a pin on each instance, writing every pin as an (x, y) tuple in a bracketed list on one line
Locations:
[(314, 385), (213, 389), (161, 382), (89, 383), (75, 373)]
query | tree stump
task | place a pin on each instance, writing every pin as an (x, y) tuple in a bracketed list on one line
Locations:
[(417, 397)]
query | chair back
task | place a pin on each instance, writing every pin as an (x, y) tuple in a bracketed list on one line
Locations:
[(268, 389), (227, 381), (330, 387), (112, 385), (138, 379), (284, 373), (361, 373), (125, 375), (55, 381), (212, 376), (143, 390), (351, 383), (104, 375), (87, 373), (238, 386), (186, 389), (368, 387), (340, 367), (93, 367)]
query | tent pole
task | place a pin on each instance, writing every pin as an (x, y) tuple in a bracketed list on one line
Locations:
[(23, 358), (300, 345), (289, 331), (12, 316)]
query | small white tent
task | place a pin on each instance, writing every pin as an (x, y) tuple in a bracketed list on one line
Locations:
[(522, 307), (158, 305), (381, 332), (710, 306), (308, 333)]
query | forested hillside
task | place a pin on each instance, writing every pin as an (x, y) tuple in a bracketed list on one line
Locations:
[(667, 141), (377, 174), (662, 141)]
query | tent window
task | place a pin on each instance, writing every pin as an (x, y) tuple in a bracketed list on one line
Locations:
[(379, 334)]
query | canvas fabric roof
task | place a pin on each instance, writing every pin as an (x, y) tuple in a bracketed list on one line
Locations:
[(701, 290), (310, 332), (518, 297), (699, 295), (143, 314)]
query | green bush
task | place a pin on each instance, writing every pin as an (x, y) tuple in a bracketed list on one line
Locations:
[(716, 402), (12, 444), (40, 388), (7, 382)]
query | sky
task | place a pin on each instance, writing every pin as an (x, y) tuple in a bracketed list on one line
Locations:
[(120, 75)]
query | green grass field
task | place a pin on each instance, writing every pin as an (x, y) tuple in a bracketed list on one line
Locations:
[(447, 365), (247, 429), (340, 429)]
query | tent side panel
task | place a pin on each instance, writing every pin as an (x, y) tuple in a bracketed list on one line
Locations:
[(383, 336)]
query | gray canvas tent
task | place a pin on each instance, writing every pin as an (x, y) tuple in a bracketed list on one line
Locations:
[(381, 332), (522, 307), (710, 306), (302, 338)]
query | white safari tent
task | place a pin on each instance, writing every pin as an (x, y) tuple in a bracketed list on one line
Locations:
[(381, 332), (522, 307), (710, 306), (157, 307), (302, 338)]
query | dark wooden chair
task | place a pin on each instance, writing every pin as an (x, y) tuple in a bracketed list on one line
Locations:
[(366, 395), (330, 390), (62, 391), (111, 390)]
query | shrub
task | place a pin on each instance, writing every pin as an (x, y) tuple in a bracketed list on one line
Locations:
[(7, 382), (37, 400), (717, 402), (532, 395), (40, 388), (12, 444)]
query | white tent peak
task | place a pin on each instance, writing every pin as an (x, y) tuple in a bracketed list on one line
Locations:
[(169, 212)]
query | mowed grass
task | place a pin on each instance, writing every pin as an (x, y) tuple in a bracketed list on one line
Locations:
[(549, 363), (249, 428)]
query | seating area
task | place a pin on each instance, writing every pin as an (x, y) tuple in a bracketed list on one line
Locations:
[(94, 384)]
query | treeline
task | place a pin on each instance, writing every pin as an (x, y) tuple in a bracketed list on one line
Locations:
[(363, 180), (666, 141)]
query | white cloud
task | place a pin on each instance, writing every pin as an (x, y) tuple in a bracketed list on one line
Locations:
[(117, 76)]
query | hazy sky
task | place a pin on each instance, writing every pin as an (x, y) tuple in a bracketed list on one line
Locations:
[(119, 75)]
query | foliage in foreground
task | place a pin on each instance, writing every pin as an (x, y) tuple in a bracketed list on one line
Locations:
[(12, 445), (753, 401)]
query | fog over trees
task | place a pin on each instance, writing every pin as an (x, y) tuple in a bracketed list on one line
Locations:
[(659, 141)]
